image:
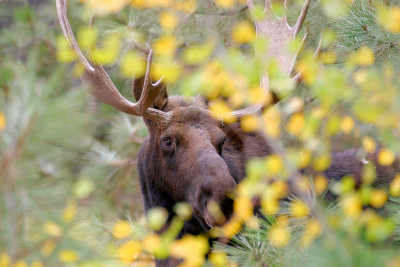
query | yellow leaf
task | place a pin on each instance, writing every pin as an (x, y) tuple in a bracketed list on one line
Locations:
[(4, 259), (269, 204), (274, 164), (168, 20), (53, 229), (279, 235), (165, 45), (20, 263), (48, 248), (304, 158), (299, 209), (199, 54), (390, 18), (132, 65), (69, 212), (296, 124), (225, 3), (218, 259), (232, 227), (3, 121), (272, 122), (321, 163), (368, 144), (68, 256), (121, 229), (320, 184), (64, 52), (109, 51), (191, 249), (188, 6), (347, 124), (312, 230), (386, 157), (152, 243), (351, 205), (220, 110), (378, 198), (328, 57), (106, 6), (243, 32), (280, 188), (87, 38), (243, 207), (249, 123), (37, 263), (156, 217), (395, 186), (365, 56), (129, 251)]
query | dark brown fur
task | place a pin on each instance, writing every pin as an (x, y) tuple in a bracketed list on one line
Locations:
[(201, 167)]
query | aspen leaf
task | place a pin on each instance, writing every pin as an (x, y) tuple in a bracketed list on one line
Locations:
[(87, 37), (165, 45), (64, 52), (365, 56), (121, 229), (386, 157), (69, 212), (243, 32), (368, 144), (219, 109), (347, 124), (249, 123), (296, 124), (389, 18), (132, 65), (299, 209), (4, 259), (83, 188), (36, 263), (351, 205), (156, 218), (52, 229), (243, 207), (199, 54), (395, 186), (312, 230), (3, 121), (378, 198), (68, 256), (279, 235), (20, 263), (225, 3), (320, 184), (48, 248), (129, 251), (106, 6), (322, 162), (218, 259), (168, 20)]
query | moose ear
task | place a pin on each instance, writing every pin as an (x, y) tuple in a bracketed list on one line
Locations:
[(162, 97)]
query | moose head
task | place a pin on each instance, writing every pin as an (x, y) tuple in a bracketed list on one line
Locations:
[(189, 155)]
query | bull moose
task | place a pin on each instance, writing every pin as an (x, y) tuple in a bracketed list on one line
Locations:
[(189, 155)]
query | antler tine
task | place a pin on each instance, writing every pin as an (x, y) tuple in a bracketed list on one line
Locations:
[(302, 17), (102, 86), (279, 34)]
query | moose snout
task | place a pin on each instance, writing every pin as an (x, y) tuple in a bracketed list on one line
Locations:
[(213, 203)]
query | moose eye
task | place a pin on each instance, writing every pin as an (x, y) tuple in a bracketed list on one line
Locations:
[(167, 143), (219, 147)]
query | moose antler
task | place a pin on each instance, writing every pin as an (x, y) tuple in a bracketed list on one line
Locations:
[(102, 86), (279, 34)]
